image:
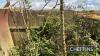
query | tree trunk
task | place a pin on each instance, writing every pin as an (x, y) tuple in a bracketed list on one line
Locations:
[(62, 26)]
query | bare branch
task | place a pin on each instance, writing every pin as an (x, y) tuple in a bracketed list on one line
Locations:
[(45, 5), (15, 3), (7, 4), (55, 5)]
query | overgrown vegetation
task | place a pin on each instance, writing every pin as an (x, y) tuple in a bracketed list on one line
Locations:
[(43, 41), (47, 40), (84, 31)]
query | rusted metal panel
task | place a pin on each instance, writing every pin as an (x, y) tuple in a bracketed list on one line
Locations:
[(19, 22), (6, 41), (13, 20)]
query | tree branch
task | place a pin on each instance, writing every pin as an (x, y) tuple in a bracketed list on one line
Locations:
[(55, 5), (45, 5), (7, 4)]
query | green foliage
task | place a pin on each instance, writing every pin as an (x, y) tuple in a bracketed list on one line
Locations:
[(48, 30), (79, 33), (42, 40), (15, 52), (39, 43)]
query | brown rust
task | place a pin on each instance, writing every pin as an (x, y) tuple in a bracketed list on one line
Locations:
[(5, 36)]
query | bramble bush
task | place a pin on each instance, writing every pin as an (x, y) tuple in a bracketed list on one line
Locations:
[(42, 40)]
